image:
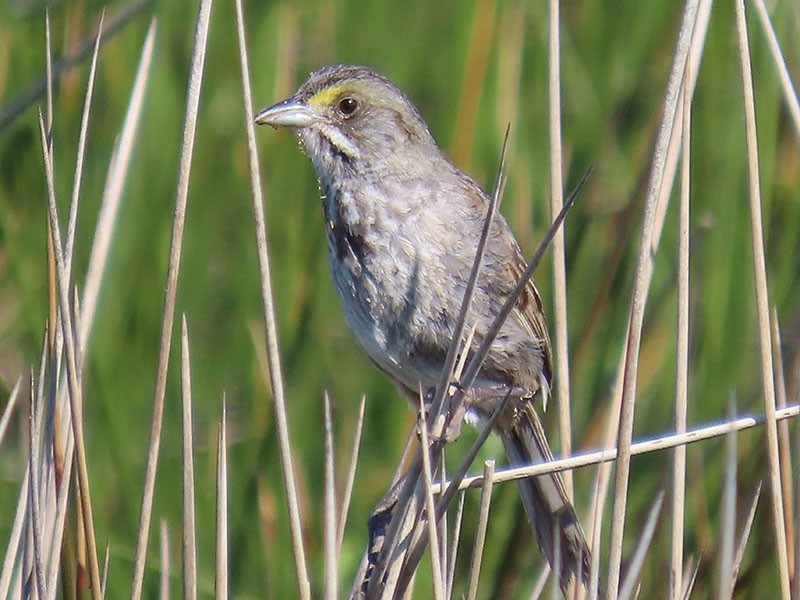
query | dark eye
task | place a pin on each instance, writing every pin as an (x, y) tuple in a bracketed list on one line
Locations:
[(347, 106)]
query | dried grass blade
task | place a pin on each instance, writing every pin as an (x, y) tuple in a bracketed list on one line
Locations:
[(11, 404), (273, 350), (48, 68), (674, 151), (762, 301), (13, 556), (559, 253), (221, 574), (105, 570), (416, 548), (658, 444), (163, 588), (34, 490), (75, 386), (480, 534), (682, 347), (728, 525), (748, 524), (541, 582), (78, 175), (189, 527), (687, 591), (430, 508), (351, 473), (602, 481), (176, 243), (789, 93), (112, 192), (637, 560), (639, 300), (783, 440), (458, 522), (330, 529)]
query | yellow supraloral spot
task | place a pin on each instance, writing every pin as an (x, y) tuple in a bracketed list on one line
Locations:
[(326, 96)]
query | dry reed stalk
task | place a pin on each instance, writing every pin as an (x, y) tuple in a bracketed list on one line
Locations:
[(762, 301), (270, 327), (189, 538), (559, 252), (639, 300), (173, 272)]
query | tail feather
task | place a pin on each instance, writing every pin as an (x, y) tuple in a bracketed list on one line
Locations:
[(547, 506)]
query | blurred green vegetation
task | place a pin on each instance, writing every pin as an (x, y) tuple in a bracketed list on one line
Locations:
[(615, 61)]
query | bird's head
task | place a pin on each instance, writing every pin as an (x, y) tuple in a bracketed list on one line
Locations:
[(351, 117)]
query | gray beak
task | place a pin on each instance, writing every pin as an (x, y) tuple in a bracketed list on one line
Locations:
[(288, 113)]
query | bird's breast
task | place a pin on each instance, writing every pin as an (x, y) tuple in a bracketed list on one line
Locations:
[(391, 278)]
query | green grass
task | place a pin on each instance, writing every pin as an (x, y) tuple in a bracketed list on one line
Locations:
[(615, 63)]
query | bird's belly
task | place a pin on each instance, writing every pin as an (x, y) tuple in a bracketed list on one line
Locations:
[(385, 307), (401, 293)]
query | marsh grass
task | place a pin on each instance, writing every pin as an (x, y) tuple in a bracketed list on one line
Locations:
[(267, 473)]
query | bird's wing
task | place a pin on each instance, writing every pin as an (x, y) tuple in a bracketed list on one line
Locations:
[(530, 314)]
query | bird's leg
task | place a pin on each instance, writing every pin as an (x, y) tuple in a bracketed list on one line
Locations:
[(455, 417), (444, 428), (439, 427), (482, 398)]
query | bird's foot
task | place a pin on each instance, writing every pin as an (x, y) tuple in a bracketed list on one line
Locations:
[(445, 428)]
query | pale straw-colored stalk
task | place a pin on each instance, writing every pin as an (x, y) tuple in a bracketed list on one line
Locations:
[(163, 585), (330, 528), (762, 302), (639, 300), (188, 541), (645, 535), (73, 375), (783, 439), (222, 558), (11, 404), (72, 224), (351, 473), (748, 525), (480, 534), (112, 192), (99, 253), (682, 349), (455, 538), (437, 574), (658, 444), (728, 525), (270, 326), (35, 515), (173, 271), (559, 252), (787, 87)]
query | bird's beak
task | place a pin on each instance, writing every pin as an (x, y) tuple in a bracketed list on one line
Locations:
[(289, 113)]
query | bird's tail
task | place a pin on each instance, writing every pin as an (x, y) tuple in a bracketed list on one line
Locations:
[(547, 506)]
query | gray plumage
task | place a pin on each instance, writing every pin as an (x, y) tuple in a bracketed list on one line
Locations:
[(403, 224)]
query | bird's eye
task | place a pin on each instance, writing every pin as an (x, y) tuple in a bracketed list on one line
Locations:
[(347, 106)]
